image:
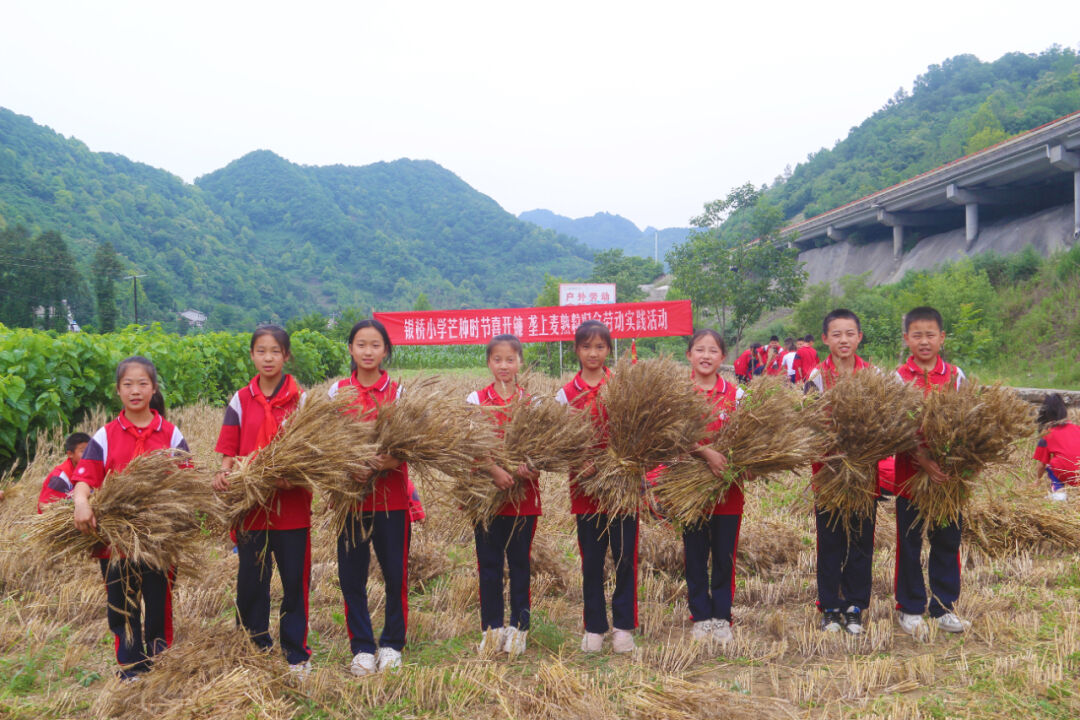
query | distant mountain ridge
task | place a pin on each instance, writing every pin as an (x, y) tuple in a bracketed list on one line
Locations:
[(604, 231), (267, 239)]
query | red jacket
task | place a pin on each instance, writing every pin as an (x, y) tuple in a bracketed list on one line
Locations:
[(391, 488), (776, 365), (57, 485), (116, 444), (489, 397), (578, 394), (806, 359), (723, 397), (1059, 450), (742, 364), (943, 377)]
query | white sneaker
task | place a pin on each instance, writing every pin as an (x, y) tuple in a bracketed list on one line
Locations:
[(853, 620), (1058, 496), (388, 659), (622, 641), (721, 631), (702, 630), (913, 625), (495, 636), (950, 623), (301, 670), (363, 664), (515, 641), (592, 642)]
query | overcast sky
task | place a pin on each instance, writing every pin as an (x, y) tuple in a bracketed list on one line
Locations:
[(647, 110)]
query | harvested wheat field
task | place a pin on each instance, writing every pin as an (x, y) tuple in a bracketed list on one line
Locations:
[(1021, 657)]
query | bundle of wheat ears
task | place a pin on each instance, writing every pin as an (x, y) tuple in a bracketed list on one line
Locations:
[(152, 512), (773, 430), (964, 432), (654, 415)]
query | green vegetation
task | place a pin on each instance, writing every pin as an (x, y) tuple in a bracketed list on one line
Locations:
[(626, 271), (264, 239), (1014, 318)]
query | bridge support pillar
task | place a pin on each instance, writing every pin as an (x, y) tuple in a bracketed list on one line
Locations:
[(1076, 205), (971, 224), (897, 241)]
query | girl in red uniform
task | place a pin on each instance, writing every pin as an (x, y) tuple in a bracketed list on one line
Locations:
[(510, 534), (1058, 450), (381, 522), (138, 430), (252, 419), (710, 603), (58, 485), (597, 531)]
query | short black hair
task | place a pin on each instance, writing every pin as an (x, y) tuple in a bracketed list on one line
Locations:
[(590, 329), (511, 340), (1053, 410), (774, 338), (808, 338), (755, 346), (74, 440), (702, 332), (838, 314), (280, 334), (923, 312)]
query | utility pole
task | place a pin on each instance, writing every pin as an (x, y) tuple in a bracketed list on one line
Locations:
[(135, 293)]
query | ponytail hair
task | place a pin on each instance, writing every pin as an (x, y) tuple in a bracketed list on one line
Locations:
[(157, 400)]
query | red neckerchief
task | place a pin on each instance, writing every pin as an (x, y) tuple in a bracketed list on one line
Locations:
[(830, 373), (591, 396), (365, 394), (287, 393), (139, 433), (490, 397), (922, 378)]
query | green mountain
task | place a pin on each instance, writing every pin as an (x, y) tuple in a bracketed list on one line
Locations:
[(266, 239), (604, 231)]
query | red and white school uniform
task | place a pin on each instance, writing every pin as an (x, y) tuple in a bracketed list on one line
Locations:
[(57, 486), (110, 451), (1059, 451), (776, 366), (386, 518), (743, 366), (944, 562), (252, 421), (509, 535), (597, 532), (806, 359), (844, 559), (719, 536)]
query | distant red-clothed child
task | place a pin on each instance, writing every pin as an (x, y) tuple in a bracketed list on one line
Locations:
[(1058, 449), (58, 485)]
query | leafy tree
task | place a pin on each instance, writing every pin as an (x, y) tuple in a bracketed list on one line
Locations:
[(627, 272), (738, 279), (106, 270), (422, 303), (315, 321), (549, 294)]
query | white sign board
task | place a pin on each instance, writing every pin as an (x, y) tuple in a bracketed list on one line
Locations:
[(586, 293)]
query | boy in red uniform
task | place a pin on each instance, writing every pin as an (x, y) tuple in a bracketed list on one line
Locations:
[(774, 360), (1058, 450), (924, 336), (253, 419), (58, 485), (844, 558), (806, 359), (138, 430)]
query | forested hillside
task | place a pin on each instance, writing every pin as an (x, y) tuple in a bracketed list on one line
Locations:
[(604, 231), (266, 239)]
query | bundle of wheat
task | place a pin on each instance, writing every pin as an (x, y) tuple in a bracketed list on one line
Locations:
[(653, 416), (152, 512), (773, 430), (1021, 519), (868, 416), (319, 446), (965, 431)]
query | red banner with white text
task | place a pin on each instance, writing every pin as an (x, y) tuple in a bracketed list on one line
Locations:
[(544, 324)]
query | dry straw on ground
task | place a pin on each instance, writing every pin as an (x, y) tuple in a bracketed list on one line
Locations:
[(1001, 523), (772, 431), (654, 416), (965, 431), (320, 446), (540, 434), (867, 416), (152, 512)]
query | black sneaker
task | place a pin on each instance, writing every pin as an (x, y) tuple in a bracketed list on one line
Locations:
[(853, 620), (832, 621)]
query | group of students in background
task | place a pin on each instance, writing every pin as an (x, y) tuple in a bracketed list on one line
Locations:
[(382, 521)]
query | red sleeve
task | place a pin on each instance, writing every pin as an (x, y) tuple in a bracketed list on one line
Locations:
[(1042, 452), (91, 469), (416, 509)]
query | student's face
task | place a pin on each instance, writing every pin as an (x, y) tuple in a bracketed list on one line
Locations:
[(76, 455), (268, 356), (592, 353), (774, 344), (705, 356), (367, 349), (135, 388), (799, 344), (842, 338), (924, 338), (504, 363)]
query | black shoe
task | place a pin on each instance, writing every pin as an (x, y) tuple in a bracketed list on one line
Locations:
[(832, 621), (853, 620)]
